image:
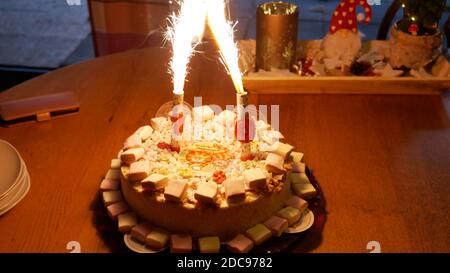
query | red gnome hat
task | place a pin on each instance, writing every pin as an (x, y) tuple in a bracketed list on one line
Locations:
[(344, 17)]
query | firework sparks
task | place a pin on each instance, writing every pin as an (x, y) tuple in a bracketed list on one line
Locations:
[(185, 32), (223, 32)]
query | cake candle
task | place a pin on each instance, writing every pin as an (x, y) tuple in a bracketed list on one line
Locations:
[(244, 127), (177, 118)]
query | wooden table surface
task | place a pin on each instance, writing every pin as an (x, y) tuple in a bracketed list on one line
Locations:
[(382, 161)]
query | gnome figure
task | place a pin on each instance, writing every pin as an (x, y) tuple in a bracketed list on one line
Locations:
[(342, 43)]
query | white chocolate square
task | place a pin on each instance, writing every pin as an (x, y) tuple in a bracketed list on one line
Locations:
[(145, 132), (275, 163), (209, 244), (277, 225), (175, 190), (291, 214), (133, 141), (304, 190), (240, 244), (271, 137), (297, 157), (206, 192), (255, 178), (114, 210), (258, 234), (283, 149), (139, 170), (234, 190), (155, 181), (140, 231), (111, 197), (180, 243), (299, 178), (159, 123), (109, 184), (113, 174), (116, 163), (157, 238), (297, 202), (298, 167), (131, 155), (126, 222)]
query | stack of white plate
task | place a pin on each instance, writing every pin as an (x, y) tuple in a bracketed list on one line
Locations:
[(14, 177)]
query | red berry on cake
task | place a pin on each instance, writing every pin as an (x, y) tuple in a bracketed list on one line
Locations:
[(219, 176), (163, 145)]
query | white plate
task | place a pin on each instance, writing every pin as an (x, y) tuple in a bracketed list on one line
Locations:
[(13, 190), (10, 167), (20, 194), (138, 246), (6, 198), (305, 222)]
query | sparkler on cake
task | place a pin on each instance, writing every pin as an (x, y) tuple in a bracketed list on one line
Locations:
[(223, 34), (185, 34)]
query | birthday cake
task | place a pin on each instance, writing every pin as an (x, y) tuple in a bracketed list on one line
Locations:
[(206, 191)]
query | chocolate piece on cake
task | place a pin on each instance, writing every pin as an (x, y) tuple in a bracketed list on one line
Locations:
[(154, 182), (206, 192), (234, 190), (301, 186), (304, 190), (297, 156), (283, 149), (240, 244), (209, 244), (113, 174), (277, 225), (274, 163), (145, 132), (258, 234), (126, 221), (291, 214), (157, 238), (139, 170), (298, 203), (175, 190), (255, 178), (180, 243), (133, 141), (109, 184), (297, 178), (111, 197), (131, 155), (115, 163), (116, 209), (298, 167), (140, 231)]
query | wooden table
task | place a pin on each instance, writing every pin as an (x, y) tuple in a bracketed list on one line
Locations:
[(382, 161)]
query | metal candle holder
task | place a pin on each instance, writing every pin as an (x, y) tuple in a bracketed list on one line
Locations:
[(276, 35)]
